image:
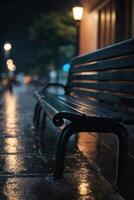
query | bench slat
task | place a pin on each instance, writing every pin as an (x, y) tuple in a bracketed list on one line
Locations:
[(103, 96), (76, 104), (109, 76), (97, 107), (105, 86), (120, 63), (116, 50), (52, 106)]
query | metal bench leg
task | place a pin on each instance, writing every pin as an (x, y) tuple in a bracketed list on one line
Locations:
[(37, 115), (61, 150), (122, 136), (106, 126), (41, 129), (35, 112)]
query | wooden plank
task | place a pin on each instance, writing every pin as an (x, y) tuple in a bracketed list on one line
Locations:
[(103, 96), (106, 86), (52, 106), (119, 49), (98, 107), (120, 63), (105, 76)]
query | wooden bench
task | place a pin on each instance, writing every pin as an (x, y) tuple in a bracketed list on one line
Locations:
[(99, 97)]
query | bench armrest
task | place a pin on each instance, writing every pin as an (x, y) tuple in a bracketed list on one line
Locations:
[(52, 84)]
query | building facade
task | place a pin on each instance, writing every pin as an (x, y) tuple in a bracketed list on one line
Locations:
[(105, 22)]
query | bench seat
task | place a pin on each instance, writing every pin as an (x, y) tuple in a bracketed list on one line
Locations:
[(54, 104)]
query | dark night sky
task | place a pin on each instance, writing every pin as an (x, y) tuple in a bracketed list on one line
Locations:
[(16, 16), (21, 13)]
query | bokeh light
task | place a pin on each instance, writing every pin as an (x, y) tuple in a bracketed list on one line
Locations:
[(7, 46)]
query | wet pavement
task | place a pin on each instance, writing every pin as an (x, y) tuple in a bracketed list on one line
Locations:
[(26, 173)]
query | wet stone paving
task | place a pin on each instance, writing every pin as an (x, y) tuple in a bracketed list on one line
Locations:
[(26, 173)]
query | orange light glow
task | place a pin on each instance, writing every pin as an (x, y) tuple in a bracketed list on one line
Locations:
[(27, 79)]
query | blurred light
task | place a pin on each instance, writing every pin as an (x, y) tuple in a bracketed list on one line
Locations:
[(11, 67), (27, 79), (20, 77), (66, 67), (7, 46), (77, 13), (52, 74), (9, 62), (84, 189)]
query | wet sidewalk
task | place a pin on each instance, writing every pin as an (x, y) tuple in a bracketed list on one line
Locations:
[(26, 173)]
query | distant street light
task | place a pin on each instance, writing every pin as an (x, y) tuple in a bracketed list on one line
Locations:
[(7, 47), (9, 62), (77, 14), (11, 68)]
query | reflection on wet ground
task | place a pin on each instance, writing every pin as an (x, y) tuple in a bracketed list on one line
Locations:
[(91, 147), (25, 174)]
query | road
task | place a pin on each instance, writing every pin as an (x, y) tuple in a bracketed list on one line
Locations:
[(26, 173)]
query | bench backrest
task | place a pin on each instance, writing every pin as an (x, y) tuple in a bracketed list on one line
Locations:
[(106, 75)]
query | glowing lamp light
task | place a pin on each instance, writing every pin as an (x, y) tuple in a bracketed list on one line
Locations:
[(77, 13), (12, 67), (66, 67), (9, 62), (7, 46)]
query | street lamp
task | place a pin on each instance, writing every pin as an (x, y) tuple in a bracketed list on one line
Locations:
[(77, 14)]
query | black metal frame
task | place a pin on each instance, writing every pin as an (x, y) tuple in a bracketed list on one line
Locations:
[(50, 85), (80, 123), (39, 95)]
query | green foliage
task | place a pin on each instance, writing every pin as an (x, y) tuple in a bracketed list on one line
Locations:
[(54, 35)]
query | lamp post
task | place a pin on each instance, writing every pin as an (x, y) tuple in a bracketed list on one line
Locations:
[(77, 14)]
